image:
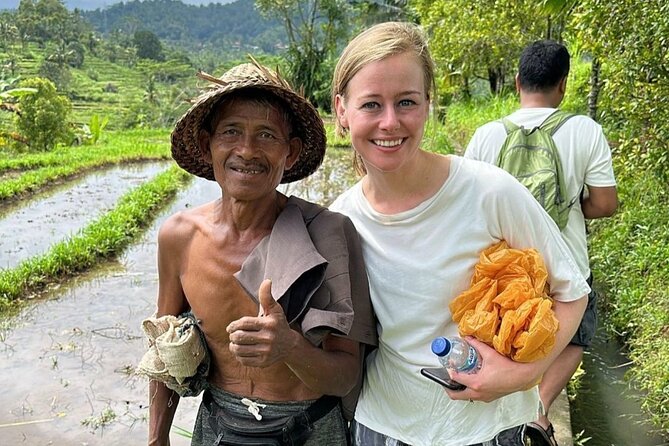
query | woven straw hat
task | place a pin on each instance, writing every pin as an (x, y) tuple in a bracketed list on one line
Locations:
[(308, 125)]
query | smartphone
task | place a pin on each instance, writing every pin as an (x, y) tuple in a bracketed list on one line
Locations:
[(440, 375)]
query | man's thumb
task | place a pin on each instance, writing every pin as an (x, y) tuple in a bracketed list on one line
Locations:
[(265, 298)]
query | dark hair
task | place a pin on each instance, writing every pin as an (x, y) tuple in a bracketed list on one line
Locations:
[(543, 64)]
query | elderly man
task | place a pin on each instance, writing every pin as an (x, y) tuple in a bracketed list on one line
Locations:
[(277, 285)]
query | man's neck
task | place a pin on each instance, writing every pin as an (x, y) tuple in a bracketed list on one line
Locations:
[(538, 100), (541, 99)]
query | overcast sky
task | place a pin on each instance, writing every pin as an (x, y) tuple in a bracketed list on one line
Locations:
[(95, 4)]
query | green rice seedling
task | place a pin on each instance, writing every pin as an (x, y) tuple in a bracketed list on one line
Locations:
[(182, 432), (102, 239), (40, 170), (107, 416)]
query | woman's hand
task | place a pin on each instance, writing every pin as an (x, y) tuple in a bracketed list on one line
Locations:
[(498, 376)]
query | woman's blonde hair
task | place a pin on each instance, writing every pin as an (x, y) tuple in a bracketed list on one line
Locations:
[(377, 43)]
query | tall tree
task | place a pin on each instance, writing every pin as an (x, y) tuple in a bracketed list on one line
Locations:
[(9, 33), (43, 120), (148, 45), (369, 12), (630, 40), (482, 39), (313, 29)]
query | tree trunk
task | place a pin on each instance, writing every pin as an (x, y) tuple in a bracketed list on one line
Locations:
[(595, 86), (496, 80), (466, 90)]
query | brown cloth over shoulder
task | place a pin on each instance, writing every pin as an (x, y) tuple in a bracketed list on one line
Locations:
[(508, 305)]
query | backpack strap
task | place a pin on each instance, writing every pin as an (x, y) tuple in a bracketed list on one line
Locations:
[(508, 126), (554, 121)]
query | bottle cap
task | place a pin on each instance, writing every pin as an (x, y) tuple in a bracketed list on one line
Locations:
[(441, 346)]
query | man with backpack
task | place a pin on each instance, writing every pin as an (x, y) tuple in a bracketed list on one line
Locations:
[(565, 161)]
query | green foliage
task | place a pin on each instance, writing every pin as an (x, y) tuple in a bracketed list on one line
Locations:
[(479, 40), (578, 87), (631, 40), (49, 20), (629, 255), (93, 130), (219, 31), (43, 118), (9, 32), (8, 94), (314, 29), (57, 73), (332, 139), (75, 54), (148, 45), (461, 119), (39, 169)]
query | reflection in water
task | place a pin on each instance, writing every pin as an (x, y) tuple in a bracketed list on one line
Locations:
[(607, 409), (331, 179), (31, 226)]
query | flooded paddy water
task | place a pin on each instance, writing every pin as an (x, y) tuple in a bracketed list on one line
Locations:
[(30, 226), (67, 361)]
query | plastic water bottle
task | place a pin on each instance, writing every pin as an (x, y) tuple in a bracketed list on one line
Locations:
[(456, 353)]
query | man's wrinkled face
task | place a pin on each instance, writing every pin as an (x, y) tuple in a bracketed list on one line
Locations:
[(249, 147)]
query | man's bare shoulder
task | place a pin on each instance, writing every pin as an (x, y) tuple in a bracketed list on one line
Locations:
[(183, 224)]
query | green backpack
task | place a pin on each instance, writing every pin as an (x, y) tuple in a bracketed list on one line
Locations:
[(531, 156)]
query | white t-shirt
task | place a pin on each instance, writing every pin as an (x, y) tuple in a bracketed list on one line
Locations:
[(417, 262), (585, 156)]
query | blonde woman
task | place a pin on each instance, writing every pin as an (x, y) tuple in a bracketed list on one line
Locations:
[(423, 219)]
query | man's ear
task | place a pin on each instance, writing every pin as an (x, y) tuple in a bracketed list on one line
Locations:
[(517, 82), (295, 150), (341, 111), (562, 86), (203, 140)]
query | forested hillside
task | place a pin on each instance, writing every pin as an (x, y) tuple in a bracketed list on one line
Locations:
[(234, 25)]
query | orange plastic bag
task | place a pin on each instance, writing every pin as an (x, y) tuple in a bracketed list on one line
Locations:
[(507, 305)]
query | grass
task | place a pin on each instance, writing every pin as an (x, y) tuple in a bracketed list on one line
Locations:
[(102, 239), (461, 119), (634, 244), (36, 170), (332, 139)]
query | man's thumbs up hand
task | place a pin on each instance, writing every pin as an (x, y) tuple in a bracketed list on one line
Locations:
[(263, 340), (267, 304)]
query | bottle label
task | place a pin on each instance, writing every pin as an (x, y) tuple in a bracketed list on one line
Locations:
[(472, 360)]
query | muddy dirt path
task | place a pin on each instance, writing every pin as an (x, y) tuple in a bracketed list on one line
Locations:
[(66, 363), (29, 227)]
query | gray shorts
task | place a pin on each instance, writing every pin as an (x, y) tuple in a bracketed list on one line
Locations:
[(364, 436), (331, 430), (586, 330)]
